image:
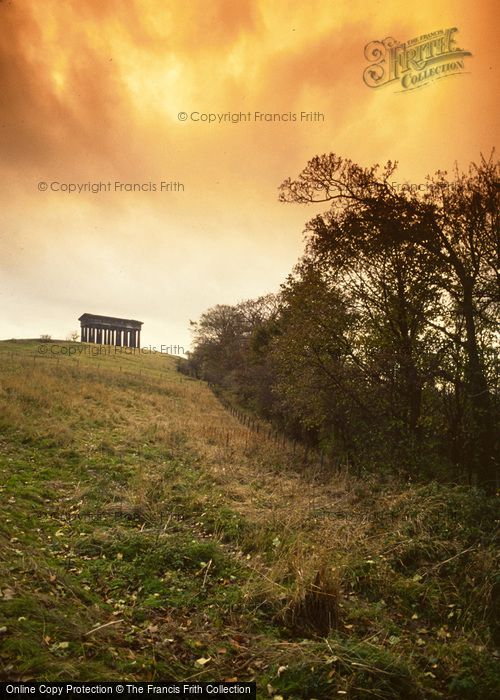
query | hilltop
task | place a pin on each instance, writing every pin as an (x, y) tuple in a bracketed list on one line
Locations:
[(147, 533)]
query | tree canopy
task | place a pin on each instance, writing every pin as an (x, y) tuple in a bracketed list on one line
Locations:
[(382, 345)]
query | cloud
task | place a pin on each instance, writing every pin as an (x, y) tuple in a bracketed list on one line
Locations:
[(90, 91)]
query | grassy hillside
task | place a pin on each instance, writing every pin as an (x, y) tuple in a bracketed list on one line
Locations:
[(146, 534)]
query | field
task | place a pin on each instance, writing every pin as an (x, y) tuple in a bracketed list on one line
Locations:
[(146, 533)]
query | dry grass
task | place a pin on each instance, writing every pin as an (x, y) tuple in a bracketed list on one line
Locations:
[(134, 447)]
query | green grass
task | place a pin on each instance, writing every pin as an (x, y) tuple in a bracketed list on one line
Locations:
[(142, 529)]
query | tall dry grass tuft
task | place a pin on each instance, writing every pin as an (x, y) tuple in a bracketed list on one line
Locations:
[(315, 611)]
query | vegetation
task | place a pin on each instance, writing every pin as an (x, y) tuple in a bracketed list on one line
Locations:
[(382, 347), (147, 533)]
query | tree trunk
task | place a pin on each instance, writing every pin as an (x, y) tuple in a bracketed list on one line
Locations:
[(484, 459)]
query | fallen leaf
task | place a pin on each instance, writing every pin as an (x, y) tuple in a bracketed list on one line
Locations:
[(442, 633), (201, 662)]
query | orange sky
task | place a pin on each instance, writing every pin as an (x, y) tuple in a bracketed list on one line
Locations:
[(90, 91)]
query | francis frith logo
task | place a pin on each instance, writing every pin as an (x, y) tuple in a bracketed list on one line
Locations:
[(416, 62)]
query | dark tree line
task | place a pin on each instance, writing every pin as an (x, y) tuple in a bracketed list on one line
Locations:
[(382, 345)]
